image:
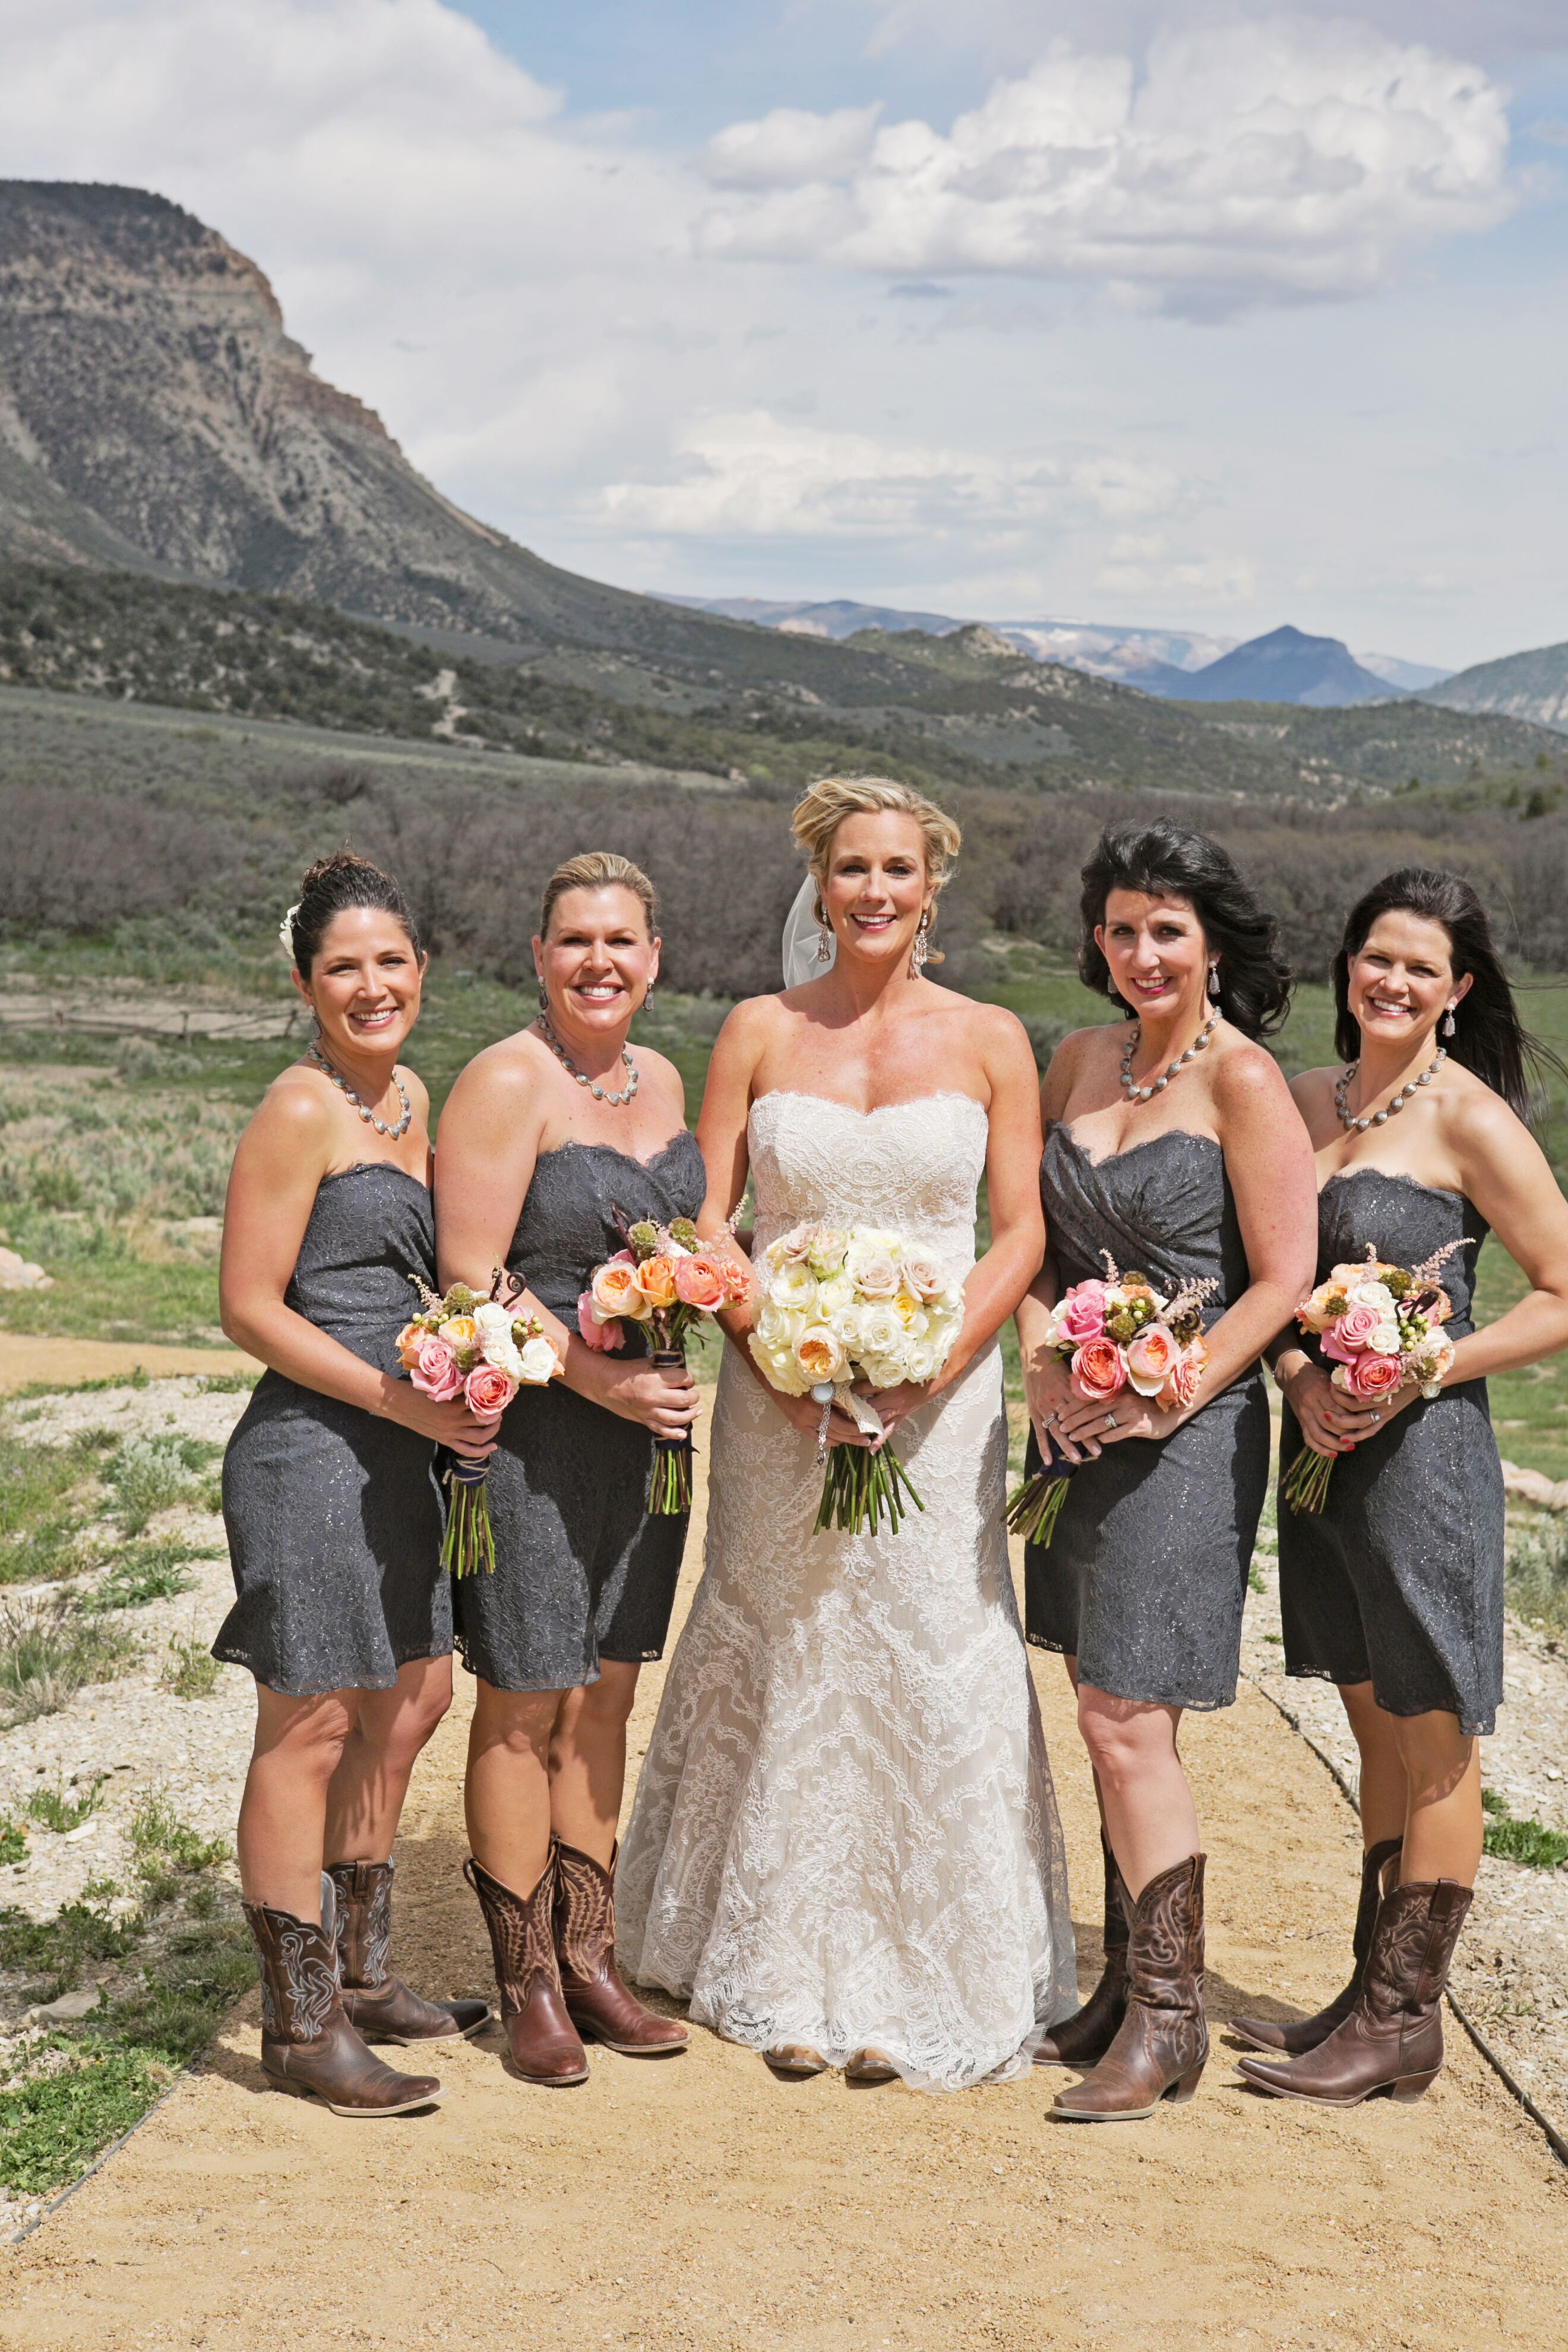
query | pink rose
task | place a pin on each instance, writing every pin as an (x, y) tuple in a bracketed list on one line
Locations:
[(737, 1281), (1345, 1339), (489, 1390), (1081, 1315), (605, 1337), (1152, 1357), (1370, 1377), (1098, 1371), (1186, 1376), (699, 1282), (436, 1373)]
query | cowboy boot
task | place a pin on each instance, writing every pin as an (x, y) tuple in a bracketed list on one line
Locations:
[(1163, 2042), (597, 2002), (542, 2038), (308, 2046), (1083, 2039), (378, 2005), (1392, 2038), (1294, 2039)]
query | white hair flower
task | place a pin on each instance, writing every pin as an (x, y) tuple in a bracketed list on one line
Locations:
[(286, 931)]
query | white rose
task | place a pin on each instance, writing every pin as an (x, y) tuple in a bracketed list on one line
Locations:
[(838, 1290), (1384, 1339), (490, 1320), (922, 1364), (537, 1362), (793, 1285), (777, 1326), (866, 1242), (824, 1251), (790, 1249), (845, 1324), (923, 1275), (503, 1352), (881, 1333), (778, 1368), (1375, 1294)]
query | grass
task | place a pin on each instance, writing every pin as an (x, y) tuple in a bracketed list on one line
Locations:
[(190, 1670), (61, 1813), (50, 1649), (13, 1841), (44, 1494), (1535, 1572), (144, 1572), (1528, 1842), (148, 1475)]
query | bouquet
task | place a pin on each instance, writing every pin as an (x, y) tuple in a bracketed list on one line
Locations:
[(1380, 1325), (474, 1348), (665, 1280), (841, 1307), (1117, 1335)]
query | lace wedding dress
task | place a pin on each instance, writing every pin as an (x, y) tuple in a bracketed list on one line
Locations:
[(845, 1832)]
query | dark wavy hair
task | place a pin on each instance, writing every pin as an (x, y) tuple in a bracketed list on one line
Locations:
[(335, 883), (1173, 861), (1489, 1037)]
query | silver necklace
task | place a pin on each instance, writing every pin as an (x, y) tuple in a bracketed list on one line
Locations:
[(564, 1058), (1380, 1117), (369, 1117), (1158, 1085)]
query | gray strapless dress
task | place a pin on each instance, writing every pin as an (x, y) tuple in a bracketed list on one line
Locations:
[(1398, 1582), (334, 1516), (1145, 1577), (582, 1573)]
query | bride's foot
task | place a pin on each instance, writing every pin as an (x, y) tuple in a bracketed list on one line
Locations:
[(869, 2067), (796, 2058)]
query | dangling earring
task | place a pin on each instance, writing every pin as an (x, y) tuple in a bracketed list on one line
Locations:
[(919, 951), (1446, 1026), (543, 998), (647, 997), (823, 936), (1213, 983)]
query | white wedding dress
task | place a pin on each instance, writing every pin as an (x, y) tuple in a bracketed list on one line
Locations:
[(845, 1834)]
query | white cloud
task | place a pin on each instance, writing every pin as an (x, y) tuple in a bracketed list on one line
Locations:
[(788, 146), (748, 473), (1283, 159)]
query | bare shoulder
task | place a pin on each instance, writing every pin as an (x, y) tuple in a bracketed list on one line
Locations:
[(1244, 1079), (659, 1073), (1477, 1122), (418, 1092), (1082, 1050), (756, 1022), (1313, 1091), (296, 1110), (508, 1070)]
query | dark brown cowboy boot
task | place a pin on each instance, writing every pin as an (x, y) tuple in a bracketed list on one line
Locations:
[(1294, 2039), (1392, 2038), (597, 2001), (308, 2046), (1083, 2039), (378, 2005), (543, 2039), (1163, 2041)]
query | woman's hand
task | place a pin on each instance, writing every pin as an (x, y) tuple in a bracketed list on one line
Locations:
[(1333, 1422), (1047, 1391), (804, 1413), (448, 1424), (1106, 1421), (662, 1397)]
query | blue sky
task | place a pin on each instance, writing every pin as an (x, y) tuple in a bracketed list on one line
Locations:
[(1147, 311)]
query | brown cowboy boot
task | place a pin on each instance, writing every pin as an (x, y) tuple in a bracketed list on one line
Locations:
[(543, 2039), (597, 2002), (378, 2005), (1294, 2039), (308, 2046), (1083, 2039), (1163, 2041), (1392, 2038)]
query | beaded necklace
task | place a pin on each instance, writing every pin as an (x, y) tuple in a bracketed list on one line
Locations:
[(1158, 1085)]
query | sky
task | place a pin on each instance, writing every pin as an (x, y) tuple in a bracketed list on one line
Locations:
[(1168, 314)]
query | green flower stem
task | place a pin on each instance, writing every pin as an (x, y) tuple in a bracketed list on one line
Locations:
[(1306, 1485), (862, 1488), (1035, 1508)]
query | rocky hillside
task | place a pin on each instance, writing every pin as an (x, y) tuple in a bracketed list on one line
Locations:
[(1532, 686)]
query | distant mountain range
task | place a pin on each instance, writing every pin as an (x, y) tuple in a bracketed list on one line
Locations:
[(1284, 666), (1533, 686)]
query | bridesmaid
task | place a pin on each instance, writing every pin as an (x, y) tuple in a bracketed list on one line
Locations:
[(1396, 1590), (334, 1521), (1171, 1143), (547, 1137)]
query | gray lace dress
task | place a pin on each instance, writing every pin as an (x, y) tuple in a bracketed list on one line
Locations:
[(582, 1571), (334, 1516), (1145, 1577), (1398, 1582)]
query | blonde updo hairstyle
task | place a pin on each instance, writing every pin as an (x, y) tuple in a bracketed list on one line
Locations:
[(599, 869), (823, 806)]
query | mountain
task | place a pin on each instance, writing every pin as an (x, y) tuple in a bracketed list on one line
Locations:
[(1407, 677), (1533, 686), (1288, 667), (837, 618)]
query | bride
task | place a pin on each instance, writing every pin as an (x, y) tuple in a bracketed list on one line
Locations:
[(845, 1848)]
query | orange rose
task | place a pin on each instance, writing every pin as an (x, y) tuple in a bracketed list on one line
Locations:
[(408, 1340), (656, 1280), (615, 1291), (461, 1330)]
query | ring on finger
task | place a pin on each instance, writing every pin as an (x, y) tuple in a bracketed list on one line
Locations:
[(1376, 1418), (1111, 1421)]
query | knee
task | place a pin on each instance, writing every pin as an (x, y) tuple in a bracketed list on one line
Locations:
[(310, 1744), (1121, 1739), (1436, 1754), (604, 1708), (518, 1730)]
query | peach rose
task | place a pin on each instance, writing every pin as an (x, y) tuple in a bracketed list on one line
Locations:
[(460, 1329), (1081, 1314), (1098, 1371), (1347, 1337), (819, 1354), (1369, 1377), (489, 1390), (877, 1276), (737, 1281), (1152, 1357), (407, 1344), (616, 1290), (656, 1280), (1187, 1378), (435, 1374), (603, 1337), (924, 1277), (699, 1282)]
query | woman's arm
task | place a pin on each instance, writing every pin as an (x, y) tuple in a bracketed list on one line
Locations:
[(1505, 1172), (1047, 1387), (998, 1281), (721, 1126), (283, 1155)]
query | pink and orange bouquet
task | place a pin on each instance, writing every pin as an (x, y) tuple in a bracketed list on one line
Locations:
[(665, 1281), (474, 1348), (1116, 1335), (1381, 1326)]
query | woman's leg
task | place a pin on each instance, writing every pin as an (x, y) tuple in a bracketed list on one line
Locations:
[(1444, 1826), (1150, 1818), (390, 1727), (507, 1794), (1384, 1788), (588, 1759), (281, 1836)]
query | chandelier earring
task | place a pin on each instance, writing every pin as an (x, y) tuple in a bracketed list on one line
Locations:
[(1445, 1027), (646, 996), (824, 935), (920, 952), (544, 996), (1213, 983)]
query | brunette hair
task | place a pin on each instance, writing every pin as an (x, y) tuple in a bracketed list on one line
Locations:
[(1489, 1037), (823, 806), (1173, 861), (333, 886), (599, 869)]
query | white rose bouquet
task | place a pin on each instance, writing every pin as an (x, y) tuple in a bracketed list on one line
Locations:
[(836, 1307)]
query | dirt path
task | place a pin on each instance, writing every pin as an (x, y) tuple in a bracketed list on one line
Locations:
[(25, 1362), (700, 2204)]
